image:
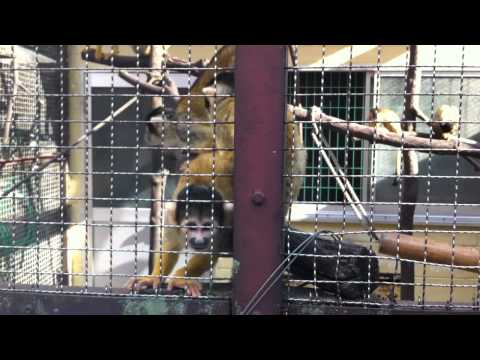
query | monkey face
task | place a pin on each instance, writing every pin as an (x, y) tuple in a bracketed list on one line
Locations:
[(445, 121), (198, 217), (199, 232)]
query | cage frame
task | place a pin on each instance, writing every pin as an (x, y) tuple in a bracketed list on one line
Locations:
[(268, 61)]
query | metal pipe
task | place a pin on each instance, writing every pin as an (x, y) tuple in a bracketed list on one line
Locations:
[(260, 82)]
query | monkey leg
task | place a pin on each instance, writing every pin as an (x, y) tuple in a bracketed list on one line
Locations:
[(160, 268), (99, 52), (196, 266)]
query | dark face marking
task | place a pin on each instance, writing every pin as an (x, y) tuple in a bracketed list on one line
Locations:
[(446, 127), (225, 85), (164, 113), (199, 232), (198, 226), (200, 210)]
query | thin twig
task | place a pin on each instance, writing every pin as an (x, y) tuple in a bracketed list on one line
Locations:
[(11, 104)]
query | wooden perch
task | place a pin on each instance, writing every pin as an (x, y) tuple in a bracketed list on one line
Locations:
[(118, 60), (170, 88), (438, 253), (127, 61), (386, 137), (143, 85)]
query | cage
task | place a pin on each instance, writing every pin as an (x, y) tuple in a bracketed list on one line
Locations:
[(222, 179)]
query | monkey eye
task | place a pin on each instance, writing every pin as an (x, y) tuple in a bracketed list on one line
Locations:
[(190, 224), (207, 224)]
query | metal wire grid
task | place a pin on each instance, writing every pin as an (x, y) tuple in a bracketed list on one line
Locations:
[(29, 235), (113, 172), (24, 274), (444, 183), (336, 105), (325, 192)]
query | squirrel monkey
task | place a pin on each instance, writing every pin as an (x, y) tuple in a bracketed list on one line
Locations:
[(445, 122), (195, 227), (378, 117), (100, 55)]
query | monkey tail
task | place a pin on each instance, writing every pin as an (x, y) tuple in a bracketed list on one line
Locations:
[(474, 162)]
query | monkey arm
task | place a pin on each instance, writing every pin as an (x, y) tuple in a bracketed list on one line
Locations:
[(196, 266), (166, 265), (160, 268), (421, 115)]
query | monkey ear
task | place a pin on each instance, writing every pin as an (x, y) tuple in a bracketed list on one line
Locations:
[(228, 210), (210, 93)]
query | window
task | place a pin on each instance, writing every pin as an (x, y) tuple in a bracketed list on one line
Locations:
[(343, 91)]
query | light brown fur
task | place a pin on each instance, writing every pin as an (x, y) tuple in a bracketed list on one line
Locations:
[(445, 114)]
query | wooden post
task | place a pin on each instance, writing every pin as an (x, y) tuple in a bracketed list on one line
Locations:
[(409, 185)]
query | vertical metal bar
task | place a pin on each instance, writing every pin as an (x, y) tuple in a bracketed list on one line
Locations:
[(260, 112)]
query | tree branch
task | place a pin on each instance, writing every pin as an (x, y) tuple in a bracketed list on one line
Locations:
[(169, 87), (127, 61), (386, 137), (143, 85), (11, 103), (118, 60)]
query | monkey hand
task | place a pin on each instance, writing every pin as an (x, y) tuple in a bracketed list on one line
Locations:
[(192, 287), (142, 283)]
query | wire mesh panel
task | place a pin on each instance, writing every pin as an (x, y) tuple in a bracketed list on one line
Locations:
[(309, 85), (117, 177), (401, 228), (155, 179), (117, 170), (29, 229)]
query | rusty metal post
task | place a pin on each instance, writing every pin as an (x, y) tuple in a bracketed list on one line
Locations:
[(260, 83)]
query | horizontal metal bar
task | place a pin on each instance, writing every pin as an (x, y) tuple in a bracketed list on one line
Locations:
[(118, 303)]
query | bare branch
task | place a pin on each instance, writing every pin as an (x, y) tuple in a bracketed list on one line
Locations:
[(145, 86), (118, 60), (169, 87), (127, 61), (421, 115), (179, 65), (386, 137), (11, 103)]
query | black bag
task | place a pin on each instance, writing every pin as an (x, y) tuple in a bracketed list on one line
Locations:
[(349, 268)]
